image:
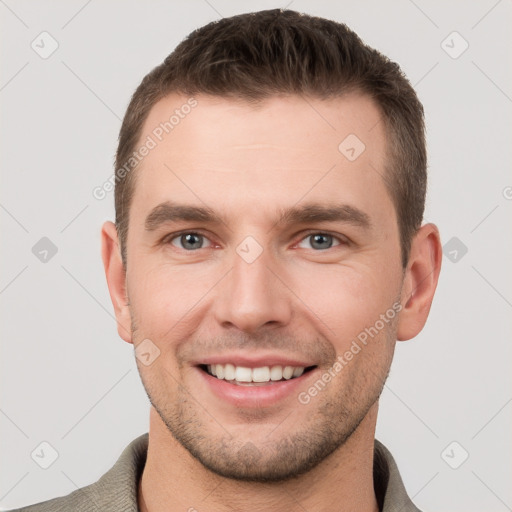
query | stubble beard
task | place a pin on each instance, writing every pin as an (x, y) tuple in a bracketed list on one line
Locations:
[(282, 456)]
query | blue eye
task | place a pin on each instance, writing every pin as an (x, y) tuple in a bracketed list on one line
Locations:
[(189, 241), (320, 241), (192, 241)]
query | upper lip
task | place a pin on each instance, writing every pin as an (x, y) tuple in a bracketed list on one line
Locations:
[(254, 361)]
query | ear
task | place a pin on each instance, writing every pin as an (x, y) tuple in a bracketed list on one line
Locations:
[(420, 281), (116, 279)]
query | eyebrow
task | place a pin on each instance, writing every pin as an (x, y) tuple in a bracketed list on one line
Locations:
[(307, 214)]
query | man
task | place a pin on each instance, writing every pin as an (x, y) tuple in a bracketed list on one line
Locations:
[(267, 254)]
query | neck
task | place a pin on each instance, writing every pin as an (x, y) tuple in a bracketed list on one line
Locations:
[(173, 480)]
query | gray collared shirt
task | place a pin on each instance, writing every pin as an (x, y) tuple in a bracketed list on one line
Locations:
[(116, 490)]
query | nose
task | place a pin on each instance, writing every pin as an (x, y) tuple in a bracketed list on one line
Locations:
[(253, 296)]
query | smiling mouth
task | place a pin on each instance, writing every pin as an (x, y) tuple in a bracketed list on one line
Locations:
[(263, 376)]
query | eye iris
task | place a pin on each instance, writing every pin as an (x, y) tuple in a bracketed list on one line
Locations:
[(320, 241), (191, 241), (194, 241)]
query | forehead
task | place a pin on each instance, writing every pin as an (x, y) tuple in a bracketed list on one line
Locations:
[(228, 153)]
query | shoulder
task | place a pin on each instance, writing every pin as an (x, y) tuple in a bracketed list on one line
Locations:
[(80, 500), (115, 490)]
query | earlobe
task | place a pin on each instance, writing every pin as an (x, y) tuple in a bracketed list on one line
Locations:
[(115, 274), (420, 281)]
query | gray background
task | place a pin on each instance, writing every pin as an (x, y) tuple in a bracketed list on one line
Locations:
[(66, 376)]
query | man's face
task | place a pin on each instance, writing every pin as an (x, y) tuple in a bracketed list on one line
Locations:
[(260, 286)]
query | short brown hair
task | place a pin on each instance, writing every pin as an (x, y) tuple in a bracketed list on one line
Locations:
[(257, 55)]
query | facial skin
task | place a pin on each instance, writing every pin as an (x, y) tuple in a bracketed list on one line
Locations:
[(301, 299)]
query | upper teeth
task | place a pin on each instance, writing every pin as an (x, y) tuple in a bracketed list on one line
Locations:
[(261, 374)]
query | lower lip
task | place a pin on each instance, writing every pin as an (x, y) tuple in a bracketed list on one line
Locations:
[(255, 396)]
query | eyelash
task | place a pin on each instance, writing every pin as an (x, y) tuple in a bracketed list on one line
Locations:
[(341, 239)]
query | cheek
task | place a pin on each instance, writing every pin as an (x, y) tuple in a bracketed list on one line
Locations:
[(343, 300), (339, 300), (165, 297)]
